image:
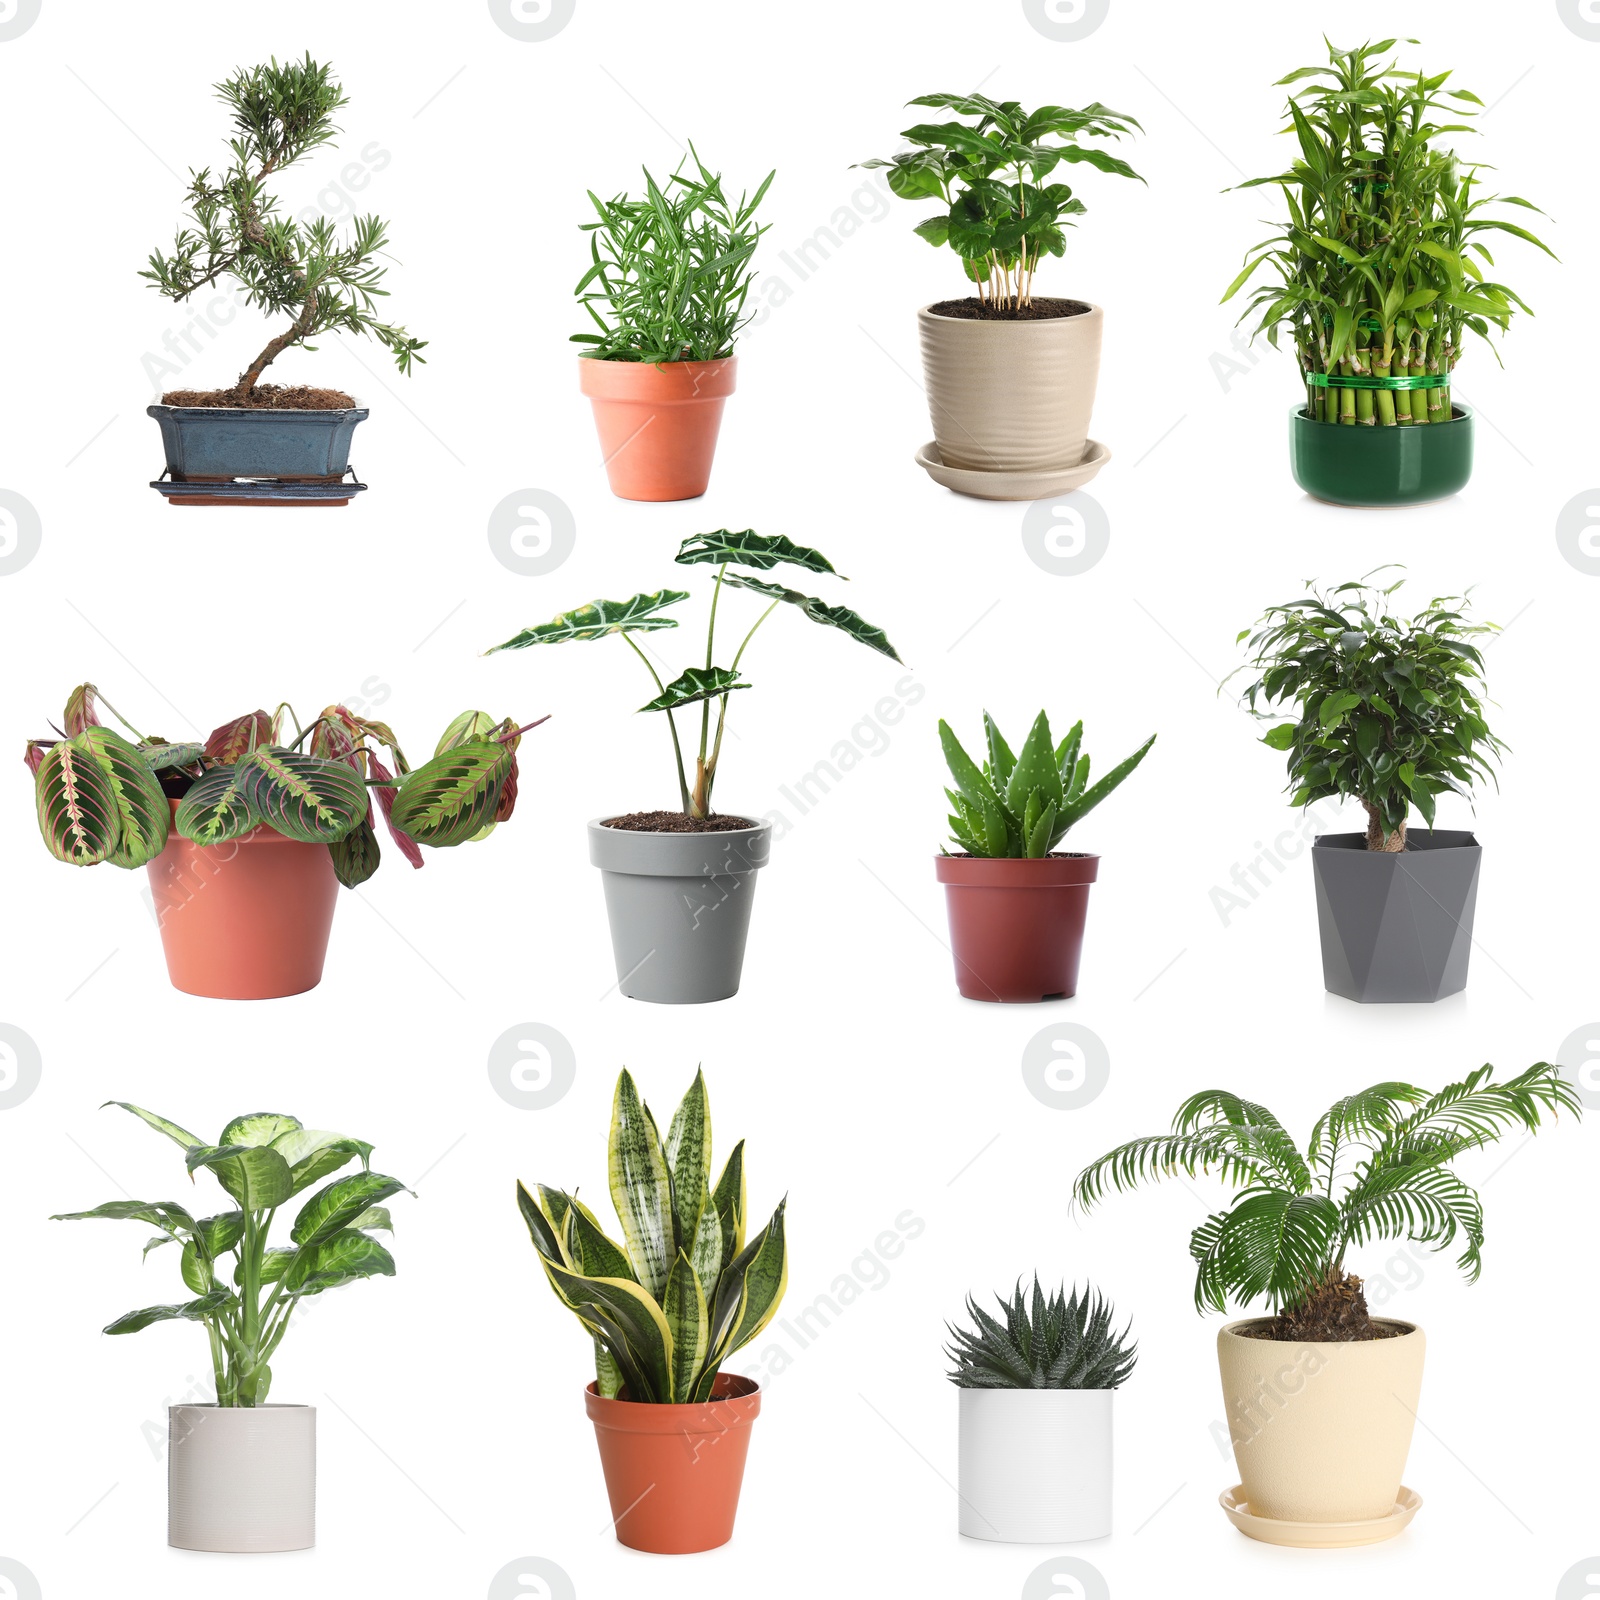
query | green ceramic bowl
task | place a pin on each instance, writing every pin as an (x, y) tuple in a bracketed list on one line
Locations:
[(1380, 466)]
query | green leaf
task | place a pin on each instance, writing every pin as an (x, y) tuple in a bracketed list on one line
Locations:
[(1075, 810), (164, 1214), (695, 684), (684, 1307), (79, 818), (453, 796), (829, 616), (1280, 737), (1001, 760), (304, 797), (751, 1289), (179, 1136), (636, 1330), (163, 757), (356, 856), (256, 1177), (312, 1153), (143, 812), (259, 1127), (339, 1204), (688, 1157), (599, 618), (641, 1188), (192, 1311), (1036, 771), (762, 551), (341, 1258), (216, 808)]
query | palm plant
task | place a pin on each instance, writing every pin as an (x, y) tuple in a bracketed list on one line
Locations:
[(1041, 1343), (1023, 805), (1378, 272), (1388, 708), (684, 1289), (1377, 1166)]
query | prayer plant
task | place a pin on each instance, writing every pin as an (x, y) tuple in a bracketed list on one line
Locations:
[(684, 1289)]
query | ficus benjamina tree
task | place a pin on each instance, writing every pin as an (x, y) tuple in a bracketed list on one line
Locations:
[(283, 265), (1378, 270), (997, 213), (246, 1289), (760, 552), (1377, 1166), (685, 1288), (103, 796), (1022, 805), (1387, 707)]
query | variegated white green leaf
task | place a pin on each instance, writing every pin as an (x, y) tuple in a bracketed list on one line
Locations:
[(695, 684), (638, 614), (841, 617), (762, 551)]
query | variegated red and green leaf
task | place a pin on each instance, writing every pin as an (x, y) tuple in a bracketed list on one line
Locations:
[(78, 814), (356, 856), (452, 797), (81, 710), (233, 741), (386, 796), (305, 797), (144, 816), (216, 808)]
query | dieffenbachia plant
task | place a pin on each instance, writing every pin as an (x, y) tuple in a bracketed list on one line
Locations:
[(245, 1288), (761, 552), (1022, 805), (1378, 270), (104, 797), (999, 215), (684, 1289)]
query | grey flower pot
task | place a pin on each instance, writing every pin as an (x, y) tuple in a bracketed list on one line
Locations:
[(1396, 927), (218, 443), (679, 907)]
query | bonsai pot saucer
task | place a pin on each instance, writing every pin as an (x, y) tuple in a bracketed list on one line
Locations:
[(1043, 483), (1319, 1535), (260, 491)]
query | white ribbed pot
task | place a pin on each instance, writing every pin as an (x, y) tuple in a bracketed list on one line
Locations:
[(242, 1479), (1011, 396), (1320, 1430), (1036, 1465)]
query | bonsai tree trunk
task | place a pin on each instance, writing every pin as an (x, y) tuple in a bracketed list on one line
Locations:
[(1378, 838), (297, 330)]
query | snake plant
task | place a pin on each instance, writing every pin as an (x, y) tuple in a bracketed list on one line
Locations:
[(760, 552), (684, 1289), (247, 1289), (1041, 1343), (1022, 805), (103, 797)]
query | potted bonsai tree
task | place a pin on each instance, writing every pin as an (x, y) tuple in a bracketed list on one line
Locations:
[(1320, 1396), (269, 444), (1016, 904), (1377, 276), (679, 884), (1036, 1390), (241, 1473), (1387, 713), (247, 837), (1010, 374), (666, 1308), (666, 286)]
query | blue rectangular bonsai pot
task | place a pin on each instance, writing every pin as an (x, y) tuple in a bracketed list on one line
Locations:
[(216, 443)]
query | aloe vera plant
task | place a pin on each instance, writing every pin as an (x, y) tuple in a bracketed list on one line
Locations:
[(642, 613), (1041, 1342), (685, 1288), (102, 796), (1022, 805), (245, 1288), (1378, 271)]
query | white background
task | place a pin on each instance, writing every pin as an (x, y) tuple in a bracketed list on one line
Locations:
[(453, 1440)]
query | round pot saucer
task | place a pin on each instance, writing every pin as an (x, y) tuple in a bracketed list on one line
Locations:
[(1319, 1535), (1043, 484)]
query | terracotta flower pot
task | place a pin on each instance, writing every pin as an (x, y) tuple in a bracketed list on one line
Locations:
[(673, 1472), (1011, 396), (247, 920), (242, 1479), (1321, 1430), (1016, 927), (658, 425)]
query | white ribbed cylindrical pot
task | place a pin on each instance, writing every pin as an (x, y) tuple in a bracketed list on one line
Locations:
[(1011, 396), (242, 1478), (1320, 1430), (1036, 1465)]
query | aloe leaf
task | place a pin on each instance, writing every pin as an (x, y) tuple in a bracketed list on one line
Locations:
[(1042, 835), (695, 684), (599, 618), (79, 818), (304, 797), (1001, 760), (641, 1188), (1092, 796), (1036, 771), (762, 551), (1067, 752), (216, 809), (841, 617), (449, 799)]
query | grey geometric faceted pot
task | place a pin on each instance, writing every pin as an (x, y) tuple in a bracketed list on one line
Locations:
[(679, 908), (1396, 927)]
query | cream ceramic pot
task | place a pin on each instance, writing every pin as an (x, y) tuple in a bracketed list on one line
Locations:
[(1011, 396), (1320, 1430), (242, 1479)]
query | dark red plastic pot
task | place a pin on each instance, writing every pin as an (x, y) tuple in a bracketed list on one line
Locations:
[(1016, 927)]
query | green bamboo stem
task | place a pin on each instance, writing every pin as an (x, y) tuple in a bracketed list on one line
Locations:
[(1361, 363), (1402, 369), (1419, 368), (1382, 364), (1347, 397)]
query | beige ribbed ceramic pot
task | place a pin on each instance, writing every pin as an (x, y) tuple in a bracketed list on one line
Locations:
[(1320, 1431), (1011, 396), (242, 1478)]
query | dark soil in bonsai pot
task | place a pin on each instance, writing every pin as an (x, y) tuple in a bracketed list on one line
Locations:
[(678, 822), (264, 397), (1040, 309), (1336, 1314)]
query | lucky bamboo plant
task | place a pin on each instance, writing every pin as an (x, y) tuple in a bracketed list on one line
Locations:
[(999, 215), (1377, 1167), (281, 264), (1377, 274), (1387, 706), (684, 1289), (1023, 805), (1042, 1342), (670, 271), (246, 1288), (103, 797), (701, 685)]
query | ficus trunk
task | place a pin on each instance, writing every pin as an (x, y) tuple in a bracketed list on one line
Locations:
[(1378, 838)]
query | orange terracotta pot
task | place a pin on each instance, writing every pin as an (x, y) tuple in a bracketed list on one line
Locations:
[(658, 425), (673, 1472), (247, 920)]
